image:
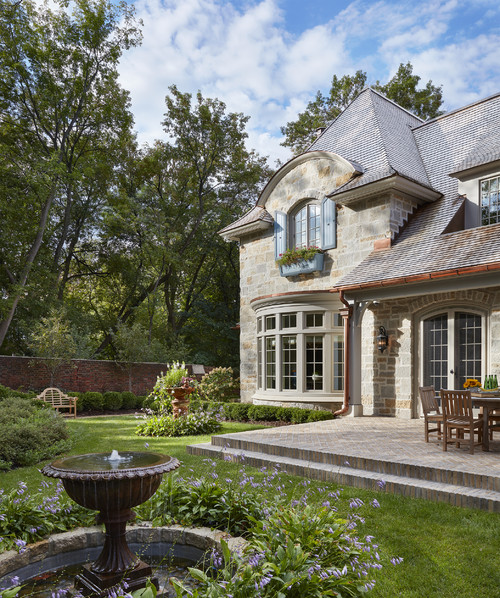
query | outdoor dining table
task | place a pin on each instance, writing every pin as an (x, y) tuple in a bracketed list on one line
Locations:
[(488, 401)]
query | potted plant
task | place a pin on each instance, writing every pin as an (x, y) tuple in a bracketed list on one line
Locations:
[(300, 260), (180, 385)]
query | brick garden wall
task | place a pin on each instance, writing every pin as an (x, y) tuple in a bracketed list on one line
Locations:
[(82, 375)]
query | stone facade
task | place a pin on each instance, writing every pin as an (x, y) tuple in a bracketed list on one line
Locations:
[(417, 251), (359, 227), (389, 380)]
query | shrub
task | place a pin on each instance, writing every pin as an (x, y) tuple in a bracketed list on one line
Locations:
[(80, 404), (30, 433), (130, 401), (319, 416), (237, 411), (93, 401), (218, 385), (191, 424), (112, 400), (299, 416), (263, 413), (284, 414), (295, 552)]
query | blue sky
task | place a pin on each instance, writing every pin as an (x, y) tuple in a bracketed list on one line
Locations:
[(267, 58)]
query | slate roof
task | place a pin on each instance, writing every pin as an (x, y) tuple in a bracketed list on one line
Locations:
[(428, 153), (376, 133), (256, 214)]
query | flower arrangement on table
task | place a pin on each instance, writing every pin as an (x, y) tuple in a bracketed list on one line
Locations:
[(472, 383), (297, 254)]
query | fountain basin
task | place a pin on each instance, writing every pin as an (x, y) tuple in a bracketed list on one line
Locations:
[(112, 484), (107, 485)]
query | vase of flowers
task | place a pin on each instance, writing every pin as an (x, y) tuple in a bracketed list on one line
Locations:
[(472, 383)]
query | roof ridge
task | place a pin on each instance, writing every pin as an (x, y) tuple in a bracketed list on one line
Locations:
[(379, 130), (457, 110), (384, 97)]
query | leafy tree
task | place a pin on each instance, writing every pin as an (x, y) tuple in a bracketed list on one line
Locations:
[(181, 193), (402, 89), (63, 115), (53, 342)]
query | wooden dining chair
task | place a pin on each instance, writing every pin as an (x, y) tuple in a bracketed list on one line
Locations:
[(458, 417), (431, 411)]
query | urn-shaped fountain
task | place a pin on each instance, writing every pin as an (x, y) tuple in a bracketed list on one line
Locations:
[(112, 484)]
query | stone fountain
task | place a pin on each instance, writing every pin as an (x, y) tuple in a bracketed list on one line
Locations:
[(112, 484)]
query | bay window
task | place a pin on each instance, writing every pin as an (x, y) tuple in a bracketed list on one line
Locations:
[(299, 352)]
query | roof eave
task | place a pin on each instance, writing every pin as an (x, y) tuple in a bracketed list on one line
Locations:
[(476, 170), (423, 277), (236, 233), (393, 183)]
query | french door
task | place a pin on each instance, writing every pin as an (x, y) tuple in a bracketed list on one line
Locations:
[(452, 348)]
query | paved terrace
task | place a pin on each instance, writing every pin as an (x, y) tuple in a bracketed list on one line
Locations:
[(361, 451)]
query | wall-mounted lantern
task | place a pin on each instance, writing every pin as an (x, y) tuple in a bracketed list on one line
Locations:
[(382, 339)]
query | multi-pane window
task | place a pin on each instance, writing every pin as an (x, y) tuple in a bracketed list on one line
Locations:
[(314, 362), (271, 362), (314, 320), (289, 362), (307, 223), (490, 201), (300, 351), (288, 320), (452, 348), (338, 362)]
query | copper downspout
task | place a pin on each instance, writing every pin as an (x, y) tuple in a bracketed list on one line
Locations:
[(346, 313)]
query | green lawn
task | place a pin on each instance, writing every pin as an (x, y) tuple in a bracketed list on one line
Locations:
[(448, 552)]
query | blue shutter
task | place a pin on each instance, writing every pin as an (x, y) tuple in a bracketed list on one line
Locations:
[(279, 234), (328, 224)]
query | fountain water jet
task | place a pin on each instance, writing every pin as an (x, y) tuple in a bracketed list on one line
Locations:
[(112, 484)]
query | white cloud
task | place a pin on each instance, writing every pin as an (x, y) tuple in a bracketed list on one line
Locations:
[(246, 58)]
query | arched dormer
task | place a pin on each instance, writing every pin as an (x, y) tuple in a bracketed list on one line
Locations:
[(310, 176)]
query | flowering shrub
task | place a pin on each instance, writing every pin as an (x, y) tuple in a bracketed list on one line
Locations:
[(26, 518), (218, 385), (297, 254), (298, 551), (191, 424)]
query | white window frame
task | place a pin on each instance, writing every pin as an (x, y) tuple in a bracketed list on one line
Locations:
[(328, 331), (294, 244)]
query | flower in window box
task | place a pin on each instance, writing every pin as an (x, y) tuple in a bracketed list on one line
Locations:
[(297, 254)]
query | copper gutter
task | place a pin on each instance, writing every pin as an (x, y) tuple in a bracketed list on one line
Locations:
[(346, 315), (420, 277)]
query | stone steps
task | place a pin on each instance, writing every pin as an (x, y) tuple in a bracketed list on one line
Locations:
[(460, 488)]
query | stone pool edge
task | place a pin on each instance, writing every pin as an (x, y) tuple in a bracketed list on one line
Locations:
[(202, 538)]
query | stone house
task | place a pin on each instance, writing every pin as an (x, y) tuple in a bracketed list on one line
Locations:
[(407, 214)]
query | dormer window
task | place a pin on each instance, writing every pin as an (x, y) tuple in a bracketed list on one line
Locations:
[(490, 201), (306, 226), (312, 225)]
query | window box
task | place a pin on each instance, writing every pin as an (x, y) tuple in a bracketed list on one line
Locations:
[(315, 264)]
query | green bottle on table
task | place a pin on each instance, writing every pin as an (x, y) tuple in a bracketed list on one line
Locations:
[(495, 381)]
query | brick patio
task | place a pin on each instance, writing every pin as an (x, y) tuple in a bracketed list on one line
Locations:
[(361, 451)]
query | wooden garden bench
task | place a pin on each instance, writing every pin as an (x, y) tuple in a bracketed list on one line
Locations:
[(59, 400)]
